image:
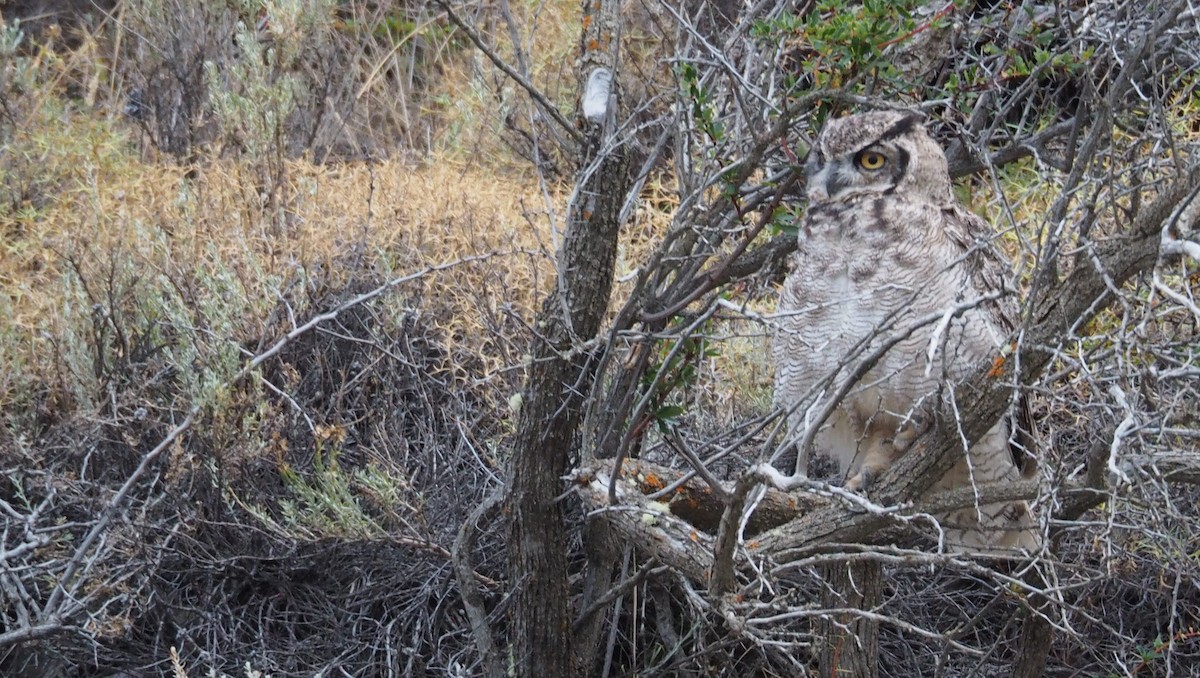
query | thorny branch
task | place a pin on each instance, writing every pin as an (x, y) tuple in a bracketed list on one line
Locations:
[(1092, 255)]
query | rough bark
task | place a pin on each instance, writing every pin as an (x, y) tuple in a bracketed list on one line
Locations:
[(559, 377), (601, 549), (679, 530), (849, 641), (550, 414), (648, 526), (1037, 636), (692, 499)]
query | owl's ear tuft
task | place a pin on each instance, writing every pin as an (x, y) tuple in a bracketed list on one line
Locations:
[(904, 125)]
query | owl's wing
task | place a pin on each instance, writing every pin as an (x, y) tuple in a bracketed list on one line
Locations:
[(985, 264), (989, 271), (988, 528)]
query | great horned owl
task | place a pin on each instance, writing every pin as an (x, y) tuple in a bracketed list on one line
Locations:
[(888, 260)]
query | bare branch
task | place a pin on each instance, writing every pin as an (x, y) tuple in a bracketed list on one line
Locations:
[(544, 103)]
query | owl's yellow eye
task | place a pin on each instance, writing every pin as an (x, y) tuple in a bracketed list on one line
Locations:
[(870, 160)]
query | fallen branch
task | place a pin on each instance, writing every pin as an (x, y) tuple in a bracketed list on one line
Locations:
[(680, 530)]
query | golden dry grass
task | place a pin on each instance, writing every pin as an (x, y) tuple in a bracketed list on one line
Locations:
[(95, 221), (119, 224), (90, 192), (130, 229)]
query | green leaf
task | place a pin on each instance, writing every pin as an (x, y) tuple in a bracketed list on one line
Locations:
[(668, 412)]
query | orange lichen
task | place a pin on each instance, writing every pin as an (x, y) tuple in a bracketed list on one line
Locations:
[(997, 368), (652, 482)]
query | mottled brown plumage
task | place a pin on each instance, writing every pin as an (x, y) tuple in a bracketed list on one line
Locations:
[(887, 259)]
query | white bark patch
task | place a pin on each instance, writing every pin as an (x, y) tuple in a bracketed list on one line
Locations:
[(595, 95)]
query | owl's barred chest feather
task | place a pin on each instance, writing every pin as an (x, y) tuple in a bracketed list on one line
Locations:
[(885, 274), (880, 230), (866, 259)]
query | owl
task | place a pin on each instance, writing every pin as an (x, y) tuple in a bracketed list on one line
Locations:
[(894, 295)]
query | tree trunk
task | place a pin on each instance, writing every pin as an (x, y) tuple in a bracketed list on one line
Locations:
[(849, 642), (560, 375), (1037, 635)]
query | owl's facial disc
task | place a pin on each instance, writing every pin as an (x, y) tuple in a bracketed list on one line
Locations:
[(875, 169), (865, 154)]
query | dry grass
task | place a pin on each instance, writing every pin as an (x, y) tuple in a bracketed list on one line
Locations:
[(112, 248), (132, 288), (390, 218), (474, 100)]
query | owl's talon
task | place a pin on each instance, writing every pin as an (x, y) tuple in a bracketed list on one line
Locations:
[(908, 434), (860, 482)]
